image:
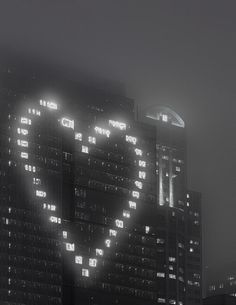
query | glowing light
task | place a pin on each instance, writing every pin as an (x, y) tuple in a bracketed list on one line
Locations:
[(79, 259), (68, 123), (25, 121), (24, 155), (85, 149), (116, 124), (147, 229), (92, 262), (64, 234), (22, 131), (132, 205), (135, 194), (22, 143), (119, 223), (102, 131), (36, 181), (108, 243), (160, 274), (85, 272), (78, 136), (177, 168), (48, 104), (92, 140), (41, 193), (99, 252), (138, 152), (164, 117), (142, 175), (126, 214), (30, 168), (131, 139), (138, 184), (55, 219), (112, 232), (70, 247), (34, 111), (142, 163)]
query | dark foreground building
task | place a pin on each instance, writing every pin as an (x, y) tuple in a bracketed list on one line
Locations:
[(222, 299), (94, 204)]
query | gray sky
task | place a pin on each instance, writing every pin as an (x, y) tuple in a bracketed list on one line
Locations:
[(181, 54)]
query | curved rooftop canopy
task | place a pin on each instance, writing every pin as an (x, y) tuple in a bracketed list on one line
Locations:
[(164, 114)]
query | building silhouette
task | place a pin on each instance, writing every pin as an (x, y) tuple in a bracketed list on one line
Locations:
[(94, 203)]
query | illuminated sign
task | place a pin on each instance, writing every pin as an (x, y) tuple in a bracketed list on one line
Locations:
[(116, 124), (102, 131), (67, 123)]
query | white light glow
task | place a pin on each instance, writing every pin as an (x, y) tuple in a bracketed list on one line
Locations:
[(92, 140), (138, 184), (135, 194), (36, 181), (67, 123), (112, 232), (108, 243), (85, 149), (25, 121), (138, 152), (126, 214), (78, 136), (48, 104), (142, 163), (70, 247), (132, 205), (119, 223), (64, 234), (102, 131), (55, 219), (92, 262), (41, 194), (34, 111), (116, 124), (22, 131), (85, 272), (147, 229), (99, 252), (79, 259), (142, 175), (22, 143), (24, 155), (30, 168), (160, 274), (131, 139)]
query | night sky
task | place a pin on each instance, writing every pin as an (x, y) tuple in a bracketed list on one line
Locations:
[(181, 54)]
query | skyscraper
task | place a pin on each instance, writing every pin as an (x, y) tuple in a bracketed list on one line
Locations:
[(95, 206)]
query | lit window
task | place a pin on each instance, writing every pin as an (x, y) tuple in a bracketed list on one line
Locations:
[(142, 175), (92, 262), (126, 214), (34, 111), (85, 272), (102, 131), (119, 223), (131, 139), (187, 195), (36, 181), (139, 184), (138, 152), (164, 117), (22, 131), (40, 193), (177, 168), (108, 243), (116, 124), (142, 163), (161, 300), (25, 121), (78, 259), (67, 123), (78, 136), (70, 247), (99, 252), (191, 250), (49, 104), (92, 140), (64, 234), (22, 143), (172, 259), (85, 149), (135, 194), (172, 276), (112, 232), (147, 229), (160, 274), (24, 155), (55, 219), (132, 205)]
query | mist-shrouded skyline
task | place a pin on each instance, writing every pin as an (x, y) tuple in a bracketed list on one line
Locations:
[(177, 54)]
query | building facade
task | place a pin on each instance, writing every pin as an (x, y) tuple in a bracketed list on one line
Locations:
[(95, 207)]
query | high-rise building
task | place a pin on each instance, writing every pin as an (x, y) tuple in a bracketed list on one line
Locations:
[(94, 204)]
